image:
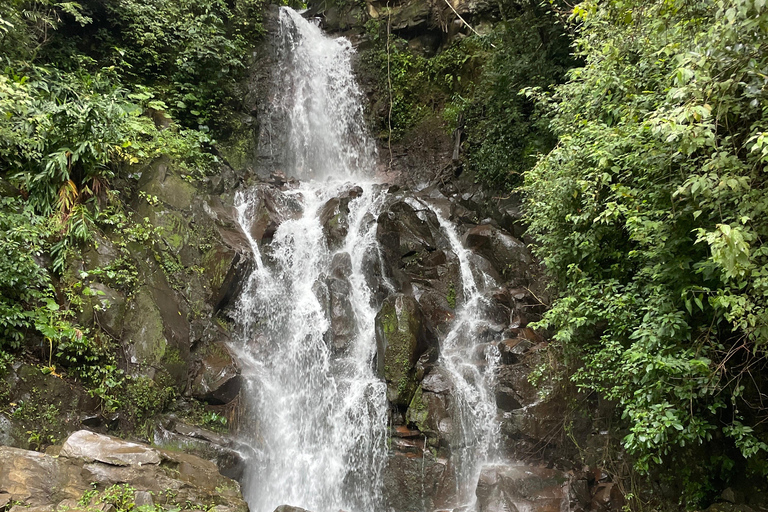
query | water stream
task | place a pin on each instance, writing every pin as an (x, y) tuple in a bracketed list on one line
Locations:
[(316, 411)]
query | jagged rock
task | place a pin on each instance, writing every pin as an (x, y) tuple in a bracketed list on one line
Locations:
[(607, 497), (429, 413), (216, 376), (509, 256), (512, 349), (406, 243), (228, 262), (401, 338), (517, 488), (507, 399), (91, 447), (334, 217), (437, 381), (268, 208)]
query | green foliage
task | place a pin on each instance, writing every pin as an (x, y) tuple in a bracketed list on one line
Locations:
[(504, 132), (420, 85), (24, 284), (650, 217), (191, 50), (146, 398), (474, 84)]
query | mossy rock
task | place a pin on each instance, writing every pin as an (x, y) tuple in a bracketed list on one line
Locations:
[(144, 340), (401, 338), (159, 180)]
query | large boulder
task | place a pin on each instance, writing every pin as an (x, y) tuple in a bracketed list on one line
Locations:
[(416, 482), (401, 338), (336, 296), (288, 508), (408, 246), (90, 447), (226, 452), (429, 413), (504, 488)]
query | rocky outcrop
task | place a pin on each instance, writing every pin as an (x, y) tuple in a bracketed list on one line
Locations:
[(401, 339), (89, 463)]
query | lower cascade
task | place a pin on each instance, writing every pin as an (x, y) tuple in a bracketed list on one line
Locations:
[(375, 337)]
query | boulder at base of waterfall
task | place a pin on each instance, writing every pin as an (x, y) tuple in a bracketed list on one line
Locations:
[(412, 482), (288, 508), (516, 488), (91, 462), (401, 338)]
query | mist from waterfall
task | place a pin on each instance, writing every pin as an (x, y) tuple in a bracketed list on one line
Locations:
[(316, 412)]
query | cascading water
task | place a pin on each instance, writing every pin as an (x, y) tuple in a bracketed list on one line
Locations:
[(316, 411), (474, 405), (317, 414)]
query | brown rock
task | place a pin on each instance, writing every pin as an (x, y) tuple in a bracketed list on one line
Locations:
[(91, 446)]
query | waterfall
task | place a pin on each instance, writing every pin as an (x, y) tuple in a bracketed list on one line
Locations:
[(316, 413)]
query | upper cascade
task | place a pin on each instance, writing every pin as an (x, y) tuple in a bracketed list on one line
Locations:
[(317, 109)]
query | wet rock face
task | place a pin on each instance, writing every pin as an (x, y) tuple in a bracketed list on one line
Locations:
[(339, 305), (408, 246), (412, 482), (521, 488), (401, 338), (92, 461)]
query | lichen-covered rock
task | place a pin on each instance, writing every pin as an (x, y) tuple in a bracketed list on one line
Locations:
[(401, 338), (158, 180), (145, 341), (428, 412), (105, 307)]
